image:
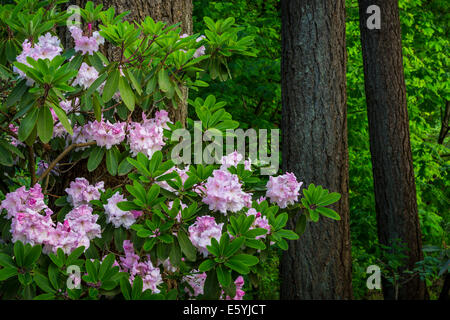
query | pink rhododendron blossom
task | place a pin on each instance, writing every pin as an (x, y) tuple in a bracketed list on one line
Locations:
[(224, 192), (29, 225), (201, 50), (105, 133), (259, 222), (197, 282), (147, 137), (116, 216), (81, 192), (151, 276), (23, 200), (86, 76), (202, 231), (86, 44), (239, 282), (233, 159), (47, 47), (283, 190), (82, 221), (14, 129)]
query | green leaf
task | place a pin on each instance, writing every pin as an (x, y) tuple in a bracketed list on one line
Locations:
[(288, 234), (186, 246), (206, 265), (106, 266), (27, 124), (43, 283), (19, 253), (128, 206), (124, 167), (327, 212), (223, 275), (6, 260), (17, 93), (126, 93), (45, 124), (234, 246), (56, 260), (175, 254), (53, 276), (137, 288), (163, 80), (33, 255), (246, 259), (211, 287), (95, 158), (7, 273), (75, 255), (62, 117), (300, 227), (91, 270), (133, 80), (155, 162), (111, 85), (112, 160), (255, 244), (281, 221), (125, 287), (329, 199), (237, 266), (253, 233)]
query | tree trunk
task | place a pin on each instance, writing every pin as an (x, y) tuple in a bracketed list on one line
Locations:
[(170, 11), (314, 138), (393, 173)]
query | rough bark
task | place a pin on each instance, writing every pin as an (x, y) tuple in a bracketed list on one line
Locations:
[(393, 173), (314, 143), (170, 11)]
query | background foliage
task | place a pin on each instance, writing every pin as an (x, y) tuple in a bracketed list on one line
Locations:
[(254, 97)]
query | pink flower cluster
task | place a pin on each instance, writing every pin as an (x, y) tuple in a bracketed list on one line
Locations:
[(86, 44), (105, 133), (14, 129), (119, 217), (283, 190), (78, 229), (81, 192), (224, 192), (86, 76), (202, 231), (151, 276), (47, 47), (259, 222), (233, 159), (201, 50), (30, 226), (147, 137), (23, 200), (239, 282), (197, 282)]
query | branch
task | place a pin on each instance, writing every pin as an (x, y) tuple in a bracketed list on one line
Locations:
[(62, 155)]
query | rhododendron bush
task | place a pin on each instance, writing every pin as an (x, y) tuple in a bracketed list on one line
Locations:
[(168, 231)]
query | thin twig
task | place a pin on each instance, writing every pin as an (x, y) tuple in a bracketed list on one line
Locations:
[(62, 155)]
